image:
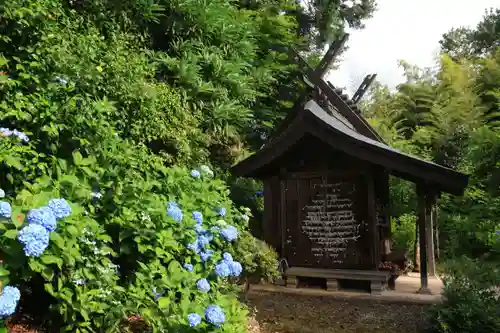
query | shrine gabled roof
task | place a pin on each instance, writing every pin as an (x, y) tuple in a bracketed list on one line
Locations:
[(313, 120)]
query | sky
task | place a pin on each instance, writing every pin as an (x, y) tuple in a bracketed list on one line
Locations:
[(403, 29)]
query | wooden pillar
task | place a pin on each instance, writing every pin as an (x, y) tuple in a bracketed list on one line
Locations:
[(430, 202), (436, 230), (372, 222), (422, 226)]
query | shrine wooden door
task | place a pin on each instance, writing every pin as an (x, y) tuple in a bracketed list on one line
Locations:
[(324, 221)]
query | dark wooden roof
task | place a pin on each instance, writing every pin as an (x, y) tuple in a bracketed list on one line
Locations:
[(313, 120)]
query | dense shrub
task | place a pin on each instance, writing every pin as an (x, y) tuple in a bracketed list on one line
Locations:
[(145, 248), (403, 232), (472, 299), (102, 131)]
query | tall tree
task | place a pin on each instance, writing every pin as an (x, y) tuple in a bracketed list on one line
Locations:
[(474, 42)]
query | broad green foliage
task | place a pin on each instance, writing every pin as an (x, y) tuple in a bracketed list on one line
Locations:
[(472, 299), (449, 115), (450, 125), (122, 252)]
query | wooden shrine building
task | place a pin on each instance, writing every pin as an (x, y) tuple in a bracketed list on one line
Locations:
[(326, 188)]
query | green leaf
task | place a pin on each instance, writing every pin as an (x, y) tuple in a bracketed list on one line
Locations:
[(11, 234), (13, 162), (36, 266), (57, 240), (50, 259), (164, 302), (72, 230), (77, 157), (4, 272)]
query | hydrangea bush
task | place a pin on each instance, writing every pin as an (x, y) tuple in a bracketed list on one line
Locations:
[(171, 252)]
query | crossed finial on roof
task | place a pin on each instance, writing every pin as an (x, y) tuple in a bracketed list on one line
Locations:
[(328, 94)]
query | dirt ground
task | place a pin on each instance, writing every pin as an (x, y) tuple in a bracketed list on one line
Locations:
[(282, 313)]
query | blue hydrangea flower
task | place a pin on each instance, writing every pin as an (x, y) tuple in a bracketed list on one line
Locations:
[(235, 268), (174, 211), (198, 217), (8, 301), (5, 209), (194, 319), (60, 208), (205, 255), (157, 295), (20, 135), (199, 228), (214, 315), (222, 211), (188, 267), (205, 239), (259, 193), (12, 292), (2, 193), (203, 285), (34, 238), (5, 131), (44, 217), (227, 257), (195, 247), (206, 170), (195, 173), (229, 233), (222, 269)]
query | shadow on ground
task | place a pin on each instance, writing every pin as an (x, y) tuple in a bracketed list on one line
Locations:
[(284, 313)]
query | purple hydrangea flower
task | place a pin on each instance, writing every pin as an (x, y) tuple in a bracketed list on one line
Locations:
[(42, 216), (188, 267), (214, 315), (195, 174), (34, 238), (5, 209), (203, 285), (194, 319), (60, 208)]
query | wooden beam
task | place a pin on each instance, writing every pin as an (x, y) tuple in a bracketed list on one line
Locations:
[(330, 55), (422, 223), (358, 122), (363, 87), (372, 221)]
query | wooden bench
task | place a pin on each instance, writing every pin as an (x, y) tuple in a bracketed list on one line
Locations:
[(378, 279)]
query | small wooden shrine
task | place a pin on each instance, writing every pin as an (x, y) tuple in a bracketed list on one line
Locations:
[(326, 188)]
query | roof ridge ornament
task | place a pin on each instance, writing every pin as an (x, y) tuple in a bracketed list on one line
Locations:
[(324, 90)]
